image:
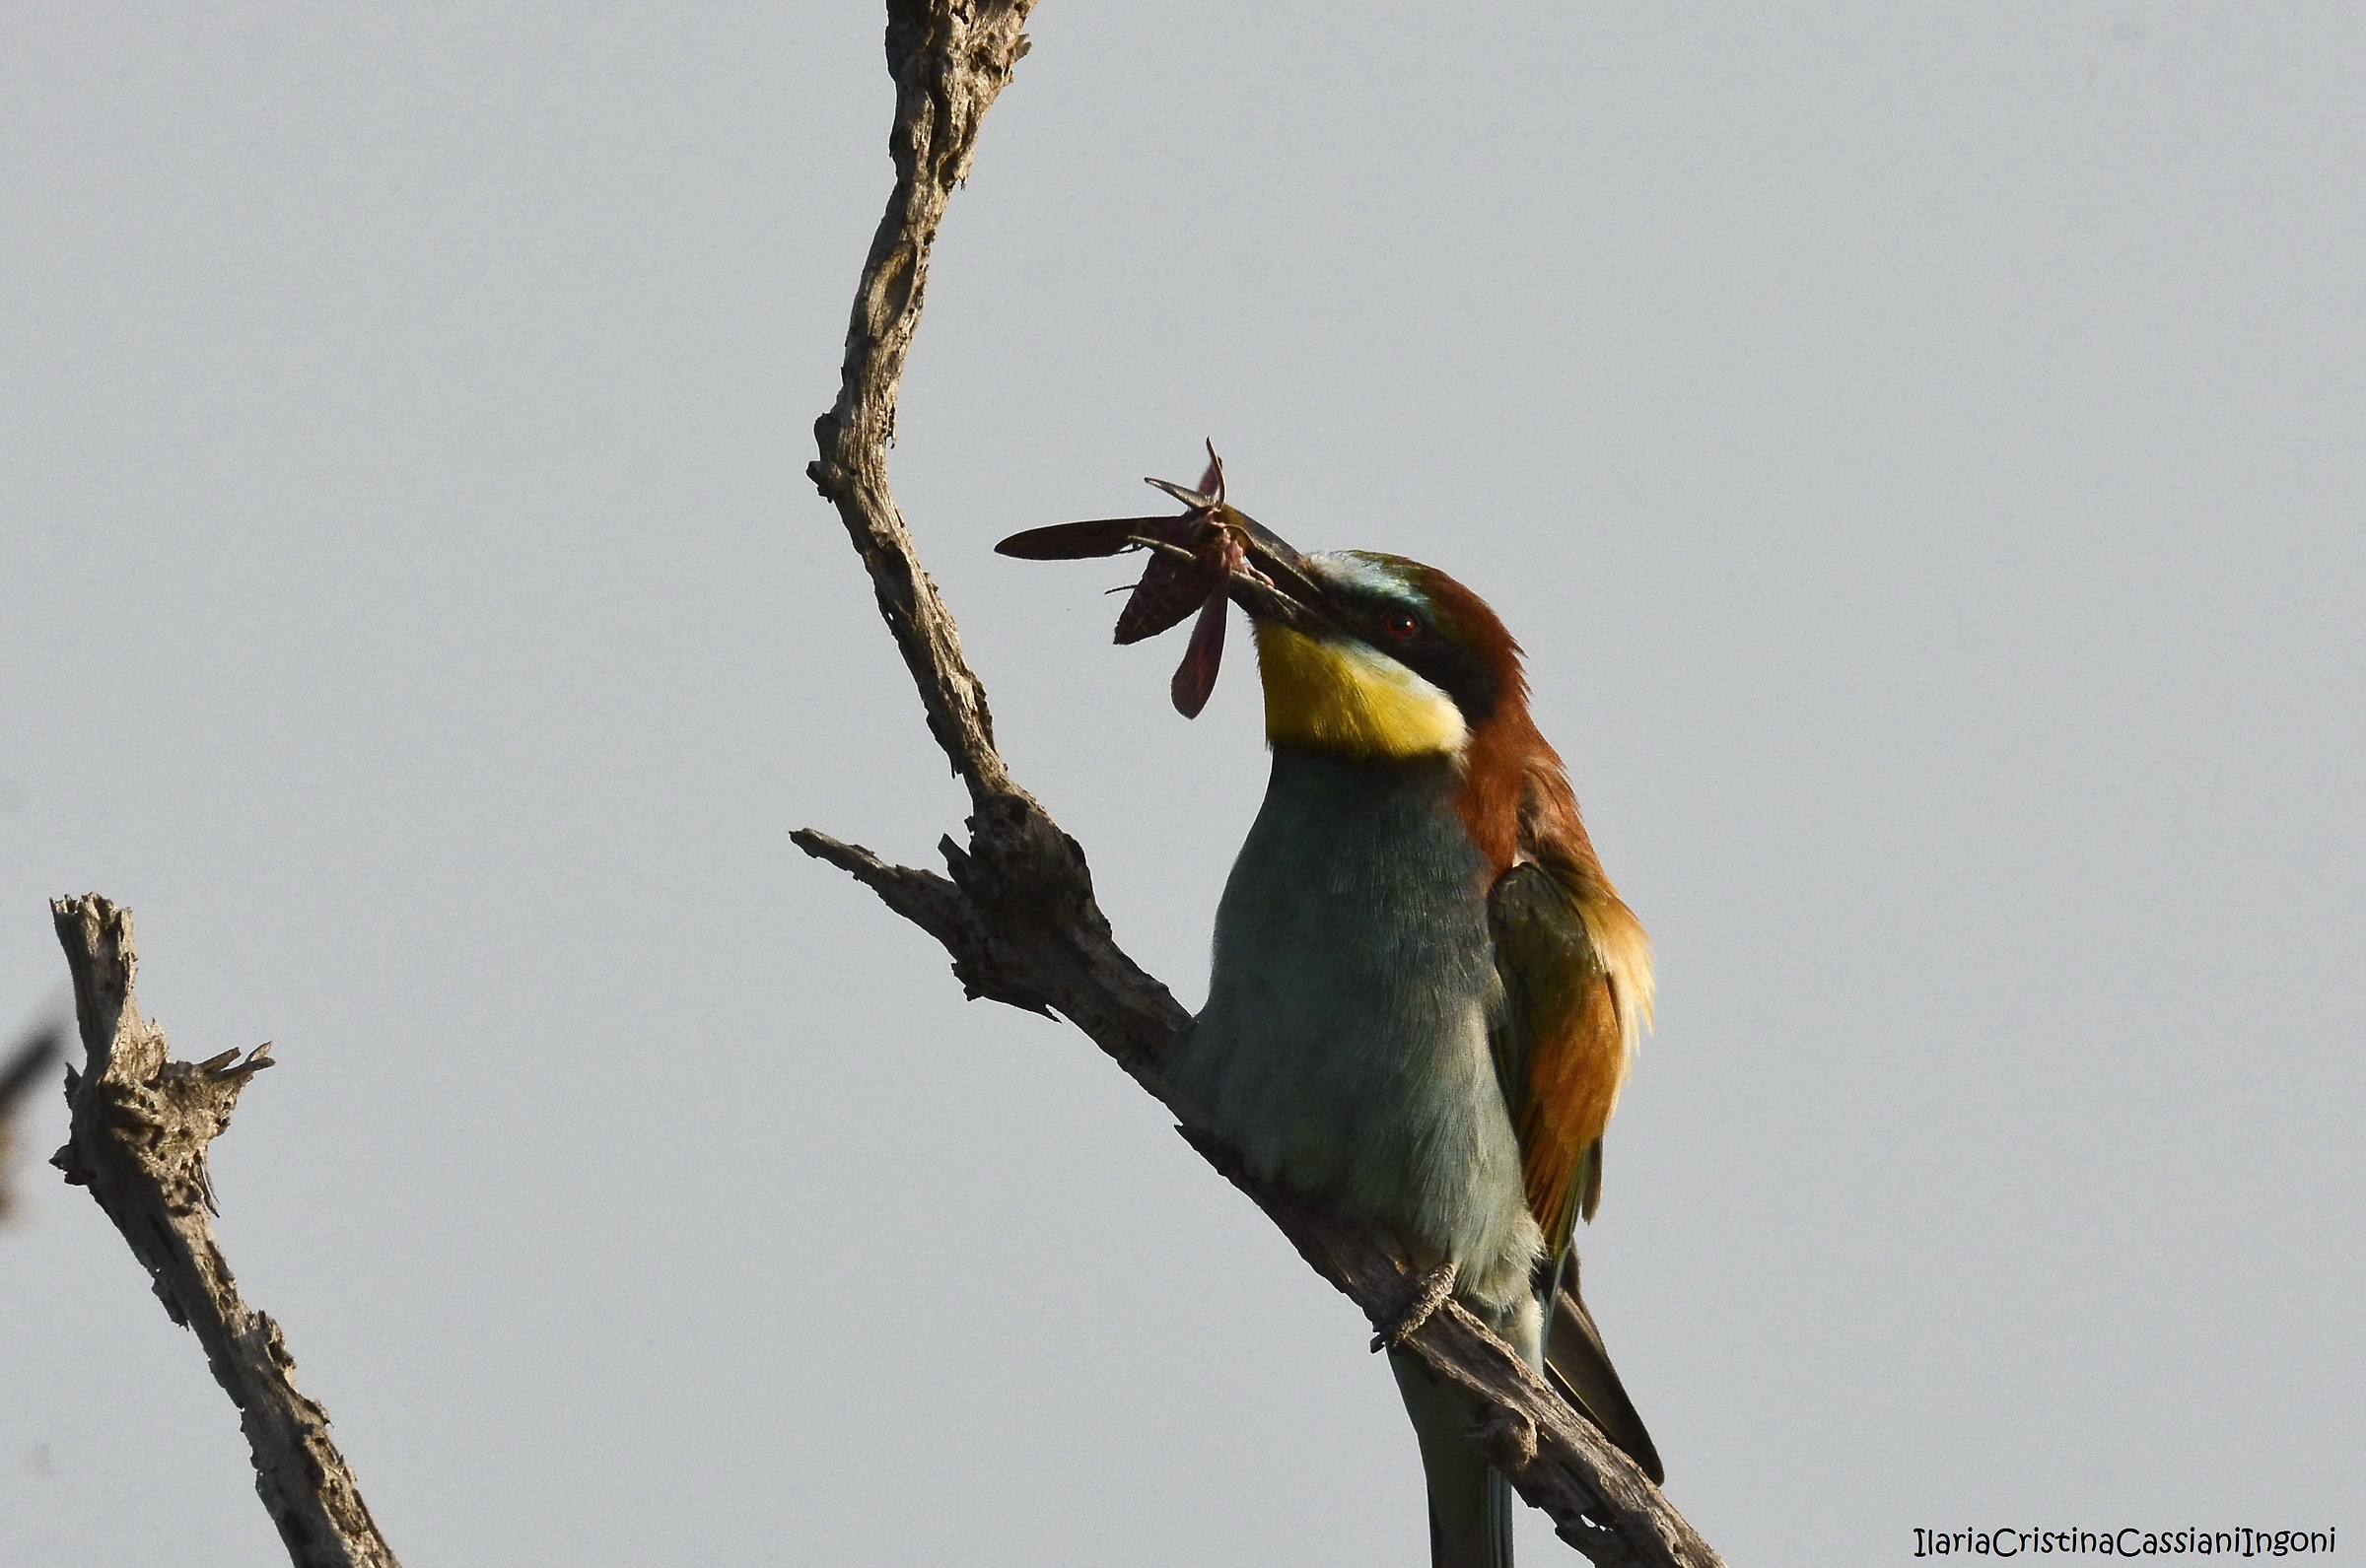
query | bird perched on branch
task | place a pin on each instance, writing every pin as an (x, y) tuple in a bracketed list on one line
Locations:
[(1426, 992)]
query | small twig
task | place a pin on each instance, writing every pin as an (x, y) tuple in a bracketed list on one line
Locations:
[(1016, 908), (141, 1124)]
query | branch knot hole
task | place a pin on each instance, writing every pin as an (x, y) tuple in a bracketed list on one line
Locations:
[(891, 290)]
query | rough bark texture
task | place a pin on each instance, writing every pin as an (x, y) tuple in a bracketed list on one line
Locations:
[(141, 1124), (1015, 909)]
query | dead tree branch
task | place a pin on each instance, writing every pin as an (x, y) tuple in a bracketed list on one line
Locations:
[(1015, 906), (141, 1124)]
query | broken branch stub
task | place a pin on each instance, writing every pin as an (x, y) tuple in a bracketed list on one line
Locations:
[(141, 1125)]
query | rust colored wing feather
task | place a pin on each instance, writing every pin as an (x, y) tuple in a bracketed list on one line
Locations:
[(1561, 1057), (1561, 1049), (1577, 971)]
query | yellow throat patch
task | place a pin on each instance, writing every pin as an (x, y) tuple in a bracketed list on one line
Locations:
[(1347, 698)]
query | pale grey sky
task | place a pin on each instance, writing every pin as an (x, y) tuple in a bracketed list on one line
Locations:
[(1920, 446)]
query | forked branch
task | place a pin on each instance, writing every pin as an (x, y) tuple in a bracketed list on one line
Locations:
[(1015, 908)]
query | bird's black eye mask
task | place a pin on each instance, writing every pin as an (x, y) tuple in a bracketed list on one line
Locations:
[(1406, 628)]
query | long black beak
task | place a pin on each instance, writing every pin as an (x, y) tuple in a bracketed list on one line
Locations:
[(1290, 591), (1279, 583)]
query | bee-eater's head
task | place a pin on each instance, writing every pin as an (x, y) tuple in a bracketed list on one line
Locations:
[(1373, 656)]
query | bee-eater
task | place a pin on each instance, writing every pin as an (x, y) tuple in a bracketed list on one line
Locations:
[(1426, 994)]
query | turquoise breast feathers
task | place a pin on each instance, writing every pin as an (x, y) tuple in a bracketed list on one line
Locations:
[(1344, 1048)]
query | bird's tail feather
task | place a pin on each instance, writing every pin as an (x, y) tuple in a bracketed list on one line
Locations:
[(1469, 1504), (1580, 1368)]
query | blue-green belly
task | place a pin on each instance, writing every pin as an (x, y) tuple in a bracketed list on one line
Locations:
[(1344, 1047)]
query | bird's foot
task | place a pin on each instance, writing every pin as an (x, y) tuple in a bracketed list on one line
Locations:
[(1430, 1292)]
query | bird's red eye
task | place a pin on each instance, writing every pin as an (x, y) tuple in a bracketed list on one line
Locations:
[(1402, 624)]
